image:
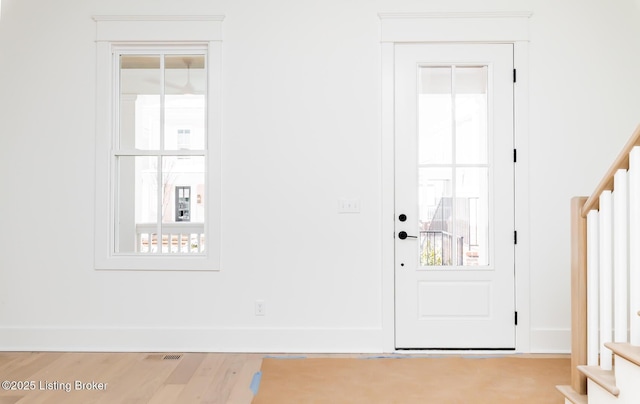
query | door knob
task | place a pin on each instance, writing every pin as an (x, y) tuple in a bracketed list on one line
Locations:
[(403, 234)]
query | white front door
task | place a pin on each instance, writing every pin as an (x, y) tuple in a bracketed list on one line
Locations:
[(454, 196)]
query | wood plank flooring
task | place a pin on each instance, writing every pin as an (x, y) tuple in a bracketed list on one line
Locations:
[(131, 378), (53, 377)]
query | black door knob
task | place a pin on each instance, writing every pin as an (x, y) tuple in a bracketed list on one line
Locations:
[(402, 217)]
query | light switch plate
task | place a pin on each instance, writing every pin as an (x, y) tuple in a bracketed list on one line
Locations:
[(346, 205)]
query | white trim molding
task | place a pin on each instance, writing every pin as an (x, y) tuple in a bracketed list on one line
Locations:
[(453, 27), (191, 339), (219, 17), (158, 28)]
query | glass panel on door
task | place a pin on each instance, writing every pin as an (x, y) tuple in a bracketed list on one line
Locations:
[(454, 166)]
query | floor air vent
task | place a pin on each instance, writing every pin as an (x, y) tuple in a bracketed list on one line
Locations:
[(162, 357)]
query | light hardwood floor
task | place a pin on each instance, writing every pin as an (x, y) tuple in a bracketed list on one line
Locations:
[(134, 378), (127, 377)]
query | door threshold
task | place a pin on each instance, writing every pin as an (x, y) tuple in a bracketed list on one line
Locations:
[(455, 349), (474, 352)]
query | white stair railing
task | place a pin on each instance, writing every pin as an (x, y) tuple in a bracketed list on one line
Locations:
[(606, 269), (634, 243), (593, 285), (620, 257), (606, 264), (608, 256)]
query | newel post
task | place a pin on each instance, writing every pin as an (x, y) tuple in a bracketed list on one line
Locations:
[(578, 294)]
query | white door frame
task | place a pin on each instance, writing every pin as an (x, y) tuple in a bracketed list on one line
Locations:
[(456, 28)]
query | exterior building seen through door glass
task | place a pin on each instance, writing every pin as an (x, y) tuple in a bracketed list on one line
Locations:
[(453, 166)]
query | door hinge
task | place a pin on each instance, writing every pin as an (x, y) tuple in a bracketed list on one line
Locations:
[(514, 75), (515, 155), (516, 318), (515, 237)]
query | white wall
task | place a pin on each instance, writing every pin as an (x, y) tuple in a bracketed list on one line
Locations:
[(584, 80), (301, 129)]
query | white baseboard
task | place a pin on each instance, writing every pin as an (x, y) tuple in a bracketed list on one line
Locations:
[(272, 340), (285, 340), (551, 340)]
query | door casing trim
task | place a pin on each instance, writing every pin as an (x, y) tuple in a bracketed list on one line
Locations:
[(471, 28)]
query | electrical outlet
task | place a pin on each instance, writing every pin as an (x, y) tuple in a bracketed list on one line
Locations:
[(260, 308)]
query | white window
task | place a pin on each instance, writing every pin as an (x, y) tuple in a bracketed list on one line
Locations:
[(158, 135), (184, 139)]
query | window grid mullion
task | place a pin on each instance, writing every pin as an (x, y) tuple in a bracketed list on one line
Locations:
[(161, 153), (160, 193), (154, 153), (454, 243)]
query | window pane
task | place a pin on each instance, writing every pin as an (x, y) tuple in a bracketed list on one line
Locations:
[(436, 214), (472, 215), (137, 201), (183, 197), (471, 114), (185, 87), (434, 115), (140, 89)]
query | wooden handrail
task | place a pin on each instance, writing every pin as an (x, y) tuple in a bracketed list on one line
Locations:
[(580, 208), (622, 161)]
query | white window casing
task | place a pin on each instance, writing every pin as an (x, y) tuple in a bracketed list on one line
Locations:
[(115, 34)]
